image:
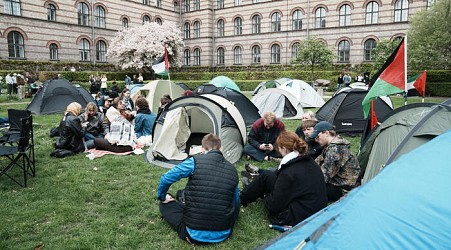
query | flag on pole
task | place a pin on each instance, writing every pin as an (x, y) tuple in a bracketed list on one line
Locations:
[(418, 82), (161, 65), (389, 80)]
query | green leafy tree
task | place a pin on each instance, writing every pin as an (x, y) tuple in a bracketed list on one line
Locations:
[(314, 52), (429, 38), (383, 50)]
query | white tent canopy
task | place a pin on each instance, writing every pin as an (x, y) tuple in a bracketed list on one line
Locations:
[(282, 103), (154, 90), (305, 93)]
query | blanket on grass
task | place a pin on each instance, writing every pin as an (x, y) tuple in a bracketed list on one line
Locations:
[(96, 153)]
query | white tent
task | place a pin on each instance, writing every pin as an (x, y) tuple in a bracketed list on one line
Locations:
[(305, 93), (154, 90), (279, 101)]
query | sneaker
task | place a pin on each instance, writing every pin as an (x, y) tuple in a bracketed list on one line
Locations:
[(252, 169)]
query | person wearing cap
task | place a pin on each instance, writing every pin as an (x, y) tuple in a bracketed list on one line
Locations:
[(262, 138), (338, 164)]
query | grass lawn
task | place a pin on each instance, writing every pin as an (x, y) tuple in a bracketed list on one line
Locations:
[(106, 203)]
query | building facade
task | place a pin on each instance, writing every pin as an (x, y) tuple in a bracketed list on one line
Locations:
[(216, 33)]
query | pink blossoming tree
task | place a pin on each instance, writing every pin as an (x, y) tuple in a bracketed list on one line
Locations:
[(139, 46)]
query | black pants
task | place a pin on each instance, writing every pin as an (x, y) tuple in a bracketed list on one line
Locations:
[(104, 144), (172, 212), (333, 192), (262, 185)]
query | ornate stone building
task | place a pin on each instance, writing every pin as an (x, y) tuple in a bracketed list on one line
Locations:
[(221, 32)]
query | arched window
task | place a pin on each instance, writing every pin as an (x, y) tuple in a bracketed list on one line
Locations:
[(343, 51), (83, 14), (101, 51), (237, 55), (256, 54), (372, 12), (275, 53), (220, 60), (320, 18), (159, 21), (186, 57), (124, 23), (16, 47), (100, 17), (146, 19), (197, 57), (220, 27), (186, 30), (51, 12), (276, 22), (297, 20), (53, 52), (238, 22), (84, 49), (345, 15), (12, 7), (196, 29), (369, 45), (294, 50), (256, 24), (401, 10)]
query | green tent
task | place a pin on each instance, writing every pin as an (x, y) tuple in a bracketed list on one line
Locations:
[(224, 81)]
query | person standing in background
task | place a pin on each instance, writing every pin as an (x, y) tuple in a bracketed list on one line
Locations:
[(103, 85), (9, 84)]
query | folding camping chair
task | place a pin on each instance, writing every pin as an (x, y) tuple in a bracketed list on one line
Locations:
[(13, 133), (20, 154)]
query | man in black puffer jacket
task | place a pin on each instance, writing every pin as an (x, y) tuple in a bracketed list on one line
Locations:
[(211, 197)]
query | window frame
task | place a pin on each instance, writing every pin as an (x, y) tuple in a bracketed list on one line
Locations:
[(237, 55), (84, 48), (401, 13), (296, 20), (196, 29), (51, 12), (196, 56), (83, 14), (16, 45), (53, 50), (275, 54), (101, 50), (146, 19), (12, 7), (256, 54), (372, 13), (124, 23), (276, 22), (256, 24), (344, 51), (100, 17), (219, 4), (345, 15), (186, 6), (186, 57), (320, 18), (294, 50), (238, 26), (220, 28), (220, 56), (186, 30), (196, 4), (368, 48)]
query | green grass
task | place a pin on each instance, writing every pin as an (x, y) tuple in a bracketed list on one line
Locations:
[(106, 203)]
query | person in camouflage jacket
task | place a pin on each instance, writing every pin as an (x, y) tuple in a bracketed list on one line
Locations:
[(339, 165)]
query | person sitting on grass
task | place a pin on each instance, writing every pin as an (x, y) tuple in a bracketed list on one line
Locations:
[(120, 138), (262, 138), (206, 210), (339, 165), (70, 130), (295, 190), (314, 148), (92, 121), (144, 121), (307, 116)]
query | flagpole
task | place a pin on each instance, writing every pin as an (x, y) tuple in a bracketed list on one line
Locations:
[(169, 75), (405, 70)]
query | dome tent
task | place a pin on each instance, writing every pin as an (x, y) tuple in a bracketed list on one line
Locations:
[(154, 90), (181, 126), (282, 103), (55, 95), (224, 81)]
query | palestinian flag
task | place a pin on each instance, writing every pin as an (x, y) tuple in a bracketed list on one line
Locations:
[(389, 80), (161, 66), (418, 82)]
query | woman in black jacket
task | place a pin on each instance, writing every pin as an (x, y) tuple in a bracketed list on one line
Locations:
[(70, 130), (295, 190)]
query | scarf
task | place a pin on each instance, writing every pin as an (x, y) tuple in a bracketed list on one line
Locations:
[(288, 157)]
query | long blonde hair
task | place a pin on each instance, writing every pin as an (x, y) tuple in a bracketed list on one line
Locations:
[(74, 108)]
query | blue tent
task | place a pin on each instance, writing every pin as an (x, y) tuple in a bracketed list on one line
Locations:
[(406, 206), (224, 81)]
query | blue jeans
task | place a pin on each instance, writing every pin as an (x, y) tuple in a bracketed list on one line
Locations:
[(257, 154)]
